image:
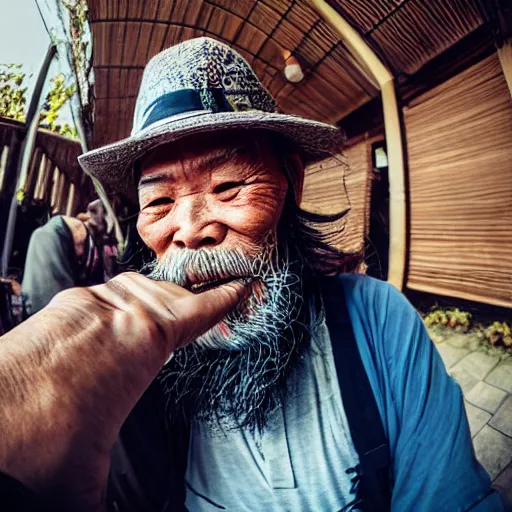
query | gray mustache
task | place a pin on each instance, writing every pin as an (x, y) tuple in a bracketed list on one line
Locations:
[(189, 266)]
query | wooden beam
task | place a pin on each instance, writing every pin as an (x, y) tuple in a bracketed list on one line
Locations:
[(24, 159), (48, 182), (38, 192), (396, 175), (505, 56), (3, 164), (70, 208), (397, 206), (33, 174), (56, 184)]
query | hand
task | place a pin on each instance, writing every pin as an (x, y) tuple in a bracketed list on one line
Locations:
[(70, 375)]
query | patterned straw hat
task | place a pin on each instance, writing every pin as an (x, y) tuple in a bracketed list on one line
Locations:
[(201, 85)]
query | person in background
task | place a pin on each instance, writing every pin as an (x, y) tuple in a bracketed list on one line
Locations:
[(67, 252)]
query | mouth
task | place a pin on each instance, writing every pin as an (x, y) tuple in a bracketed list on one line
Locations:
[(209, 285)]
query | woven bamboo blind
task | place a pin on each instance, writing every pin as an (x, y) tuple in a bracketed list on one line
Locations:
[(338, 184), (459, 138)]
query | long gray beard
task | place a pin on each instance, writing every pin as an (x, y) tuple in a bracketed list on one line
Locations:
[(236, 373)]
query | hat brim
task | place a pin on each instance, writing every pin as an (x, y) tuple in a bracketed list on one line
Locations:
[(113, 164)]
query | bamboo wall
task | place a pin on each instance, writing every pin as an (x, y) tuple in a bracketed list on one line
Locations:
[(459, 140), (339, 184)]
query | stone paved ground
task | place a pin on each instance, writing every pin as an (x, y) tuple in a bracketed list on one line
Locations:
[(485, 377)]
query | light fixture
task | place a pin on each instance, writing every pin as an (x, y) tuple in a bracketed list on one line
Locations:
[(292, 70)]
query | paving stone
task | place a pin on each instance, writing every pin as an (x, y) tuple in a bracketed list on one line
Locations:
[(502, 420), (474, 344), (478, 364), (464, 379), (501, 376), (486, 397), (503, 482), (477, 418), (451, 355), (493, 450), (458, 340)]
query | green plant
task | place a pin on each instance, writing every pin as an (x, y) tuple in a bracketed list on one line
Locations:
[(453, 318), (13, 100), (499, 333), (57, 97)]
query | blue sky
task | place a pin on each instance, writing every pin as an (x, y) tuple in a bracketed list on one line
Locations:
[(24, 40)]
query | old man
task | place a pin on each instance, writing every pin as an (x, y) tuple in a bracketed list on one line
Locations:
[(319, 391)]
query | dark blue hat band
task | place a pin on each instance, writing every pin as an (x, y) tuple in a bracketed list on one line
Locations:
[(186, 100)]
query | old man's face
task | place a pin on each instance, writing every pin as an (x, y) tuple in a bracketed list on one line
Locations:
[(210, 208), (223, 192)]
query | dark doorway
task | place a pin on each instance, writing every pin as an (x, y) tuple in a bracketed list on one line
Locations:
[(377, 247)]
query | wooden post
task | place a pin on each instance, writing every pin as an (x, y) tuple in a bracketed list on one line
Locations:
[(38, 192), (71, 201), (46, 188), (63, 194), (55, 188), (3, 165), (397, 207), (9, 180), (33, 174), (61, 183), (397, 199), (24, 159)]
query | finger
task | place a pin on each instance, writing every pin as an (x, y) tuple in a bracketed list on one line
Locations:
[(196, 313), (126, 289)]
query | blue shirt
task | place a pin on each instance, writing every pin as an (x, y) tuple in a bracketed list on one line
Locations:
[(433, 463)]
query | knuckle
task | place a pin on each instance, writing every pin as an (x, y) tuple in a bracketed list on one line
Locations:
[(118, 287)]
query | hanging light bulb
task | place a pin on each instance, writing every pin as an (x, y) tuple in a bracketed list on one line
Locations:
[(292, 70)]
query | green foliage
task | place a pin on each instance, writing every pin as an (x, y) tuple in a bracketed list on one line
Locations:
[(57, 97), (13, 100), (499, 333), (453, 318), (495, 337)]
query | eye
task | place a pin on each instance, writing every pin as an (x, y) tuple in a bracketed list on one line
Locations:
[(160, 201), (228, 185)]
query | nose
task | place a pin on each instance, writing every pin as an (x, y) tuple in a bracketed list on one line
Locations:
[(195, 228)]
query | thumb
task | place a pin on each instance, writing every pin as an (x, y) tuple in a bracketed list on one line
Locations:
[(202, 311)]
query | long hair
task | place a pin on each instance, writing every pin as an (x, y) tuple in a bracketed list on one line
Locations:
[(316, 236)]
